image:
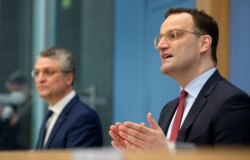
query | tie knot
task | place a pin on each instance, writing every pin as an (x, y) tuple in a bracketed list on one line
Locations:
[(183, 94), (49, 114)]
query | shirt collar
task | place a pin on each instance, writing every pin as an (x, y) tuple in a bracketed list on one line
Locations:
[(194, 87), (59, 106)]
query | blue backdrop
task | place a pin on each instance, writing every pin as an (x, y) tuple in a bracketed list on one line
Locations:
[(139, 87)]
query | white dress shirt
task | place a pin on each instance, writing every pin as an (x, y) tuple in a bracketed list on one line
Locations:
[(57, 109), (193, 89)]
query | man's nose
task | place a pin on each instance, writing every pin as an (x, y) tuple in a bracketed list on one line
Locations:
[(163, 43), (40, 77)]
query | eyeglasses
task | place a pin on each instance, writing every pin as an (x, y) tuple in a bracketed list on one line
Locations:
[(46, 73), (173, 35)]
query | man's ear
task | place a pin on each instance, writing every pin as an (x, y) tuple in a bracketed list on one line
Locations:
[(205, 43), (70, 78)]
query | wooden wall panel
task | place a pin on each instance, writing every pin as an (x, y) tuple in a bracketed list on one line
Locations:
[(220, 11)]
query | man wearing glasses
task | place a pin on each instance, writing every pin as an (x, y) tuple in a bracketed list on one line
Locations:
[(69, 122), (210, 110)]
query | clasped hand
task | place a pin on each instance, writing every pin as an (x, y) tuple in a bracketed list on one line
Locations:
[(129, 136)]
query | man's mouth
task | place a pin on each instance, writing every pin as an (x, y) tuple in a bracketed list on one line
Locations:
[(41, 87), (166, 56)]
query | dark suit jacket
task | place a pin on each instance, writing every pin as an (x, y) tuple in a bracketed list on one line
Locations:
[(77, 126), (220, 115)]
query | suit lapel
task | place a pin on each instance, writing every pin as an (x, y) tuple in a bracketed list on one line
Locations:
[(167, 115), (199, 103), (194, 111), (61, 119), (55, 129), (41, 135)]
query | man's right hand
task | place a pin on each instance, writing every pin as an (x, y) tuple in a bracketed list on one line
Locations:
[(117, 142)]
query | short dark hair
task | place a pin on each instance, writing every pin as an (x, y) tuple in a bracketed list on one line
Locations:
[(64, 56), (203, 22), (18, 78)]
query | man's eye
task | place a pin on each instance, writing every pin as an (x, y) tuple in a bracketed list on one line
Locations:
[(36, 73), (172, 36), (46, 72), (51, 72)]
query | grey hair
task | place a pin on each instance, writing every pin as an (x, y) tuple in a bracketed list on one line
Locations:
[(66, 59)]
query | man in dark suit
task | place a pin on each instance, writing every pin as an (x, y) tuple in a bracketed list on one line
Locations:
[(71, 123), (210, 110)]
